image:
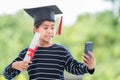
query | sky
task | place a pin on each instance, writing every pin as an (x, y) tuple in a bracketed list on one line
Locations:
[(71, 8)]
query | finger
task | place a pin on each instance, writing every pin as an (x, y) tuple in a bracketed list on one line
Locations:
[(23, 64), (24, 67), (86, 56), (26, 62), (85, 62), (30, 62), (91, 54), (84, 59), (88, 61)]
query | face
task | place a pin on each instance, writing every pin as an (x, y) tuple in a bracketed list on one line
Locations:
[(46, 30)]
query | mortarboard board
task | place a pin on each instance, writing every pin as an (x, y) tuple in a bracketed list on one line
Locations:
[(45, 13)]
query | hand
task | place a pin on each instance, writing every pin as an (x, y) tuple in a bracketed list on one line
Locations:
[(21, 65), (89, 61)]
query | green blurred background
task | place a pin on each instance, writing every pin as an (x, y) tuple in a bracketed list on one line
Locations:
[(102, 28)]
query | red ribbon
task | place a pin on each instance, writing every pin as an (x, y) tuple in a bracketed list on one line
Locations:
[(60, 27), (31, 52)]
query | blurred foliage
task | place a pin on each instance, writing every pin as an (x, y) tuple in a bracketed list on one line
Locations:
[(115, 9), (16, 33)]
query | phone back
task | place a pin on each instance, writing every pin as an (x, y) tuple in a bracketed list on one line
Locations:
[(88, 47)]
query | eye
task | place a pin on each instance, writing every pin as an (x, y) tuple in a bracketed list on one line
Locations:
[(45, 27), (52, 28)]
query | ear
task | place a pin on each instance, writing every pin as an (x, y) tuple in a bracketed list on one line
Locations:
[(35, 30)]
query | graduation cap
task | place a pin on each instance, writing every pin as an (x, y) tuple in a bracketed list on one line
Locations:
[(45, 13)]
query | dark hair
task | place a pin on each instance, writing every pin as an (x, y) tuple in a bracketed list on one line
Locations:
[(40, 22), (37, 25)]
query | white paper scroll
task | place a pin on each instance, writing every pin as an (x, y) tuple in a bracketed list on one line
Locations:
[(32, 48)]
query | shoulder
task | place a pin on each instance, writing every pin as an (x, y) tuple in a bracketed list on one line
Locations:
[(21, 55), (61, 47), (23, 52)]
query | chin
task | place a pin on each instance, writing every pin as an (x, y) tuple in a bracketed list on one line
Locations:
[(47, 41)]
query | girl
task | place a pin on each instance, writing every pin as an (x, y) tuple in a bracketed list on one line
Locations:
[(50, 59)]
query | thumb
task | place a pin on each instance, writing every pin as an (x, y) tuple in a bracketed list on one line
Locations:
[(27, 62)]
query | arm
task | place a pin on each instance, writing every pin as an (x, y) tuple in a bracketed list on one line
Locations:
[(10, 72), (75, 67)]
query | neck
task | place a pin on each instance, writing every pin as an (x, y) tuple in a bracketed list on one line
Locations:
[(44, 44)]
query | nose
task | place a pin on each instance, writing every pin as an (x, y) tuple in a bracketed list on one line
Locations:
[(50, 30)]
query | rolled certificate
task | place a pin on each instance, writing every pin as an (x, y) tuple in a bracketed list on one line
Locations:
[(32, 48)]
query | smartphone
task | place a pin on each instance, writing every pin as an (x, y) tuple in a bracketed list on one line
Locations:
[(88, 47)]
